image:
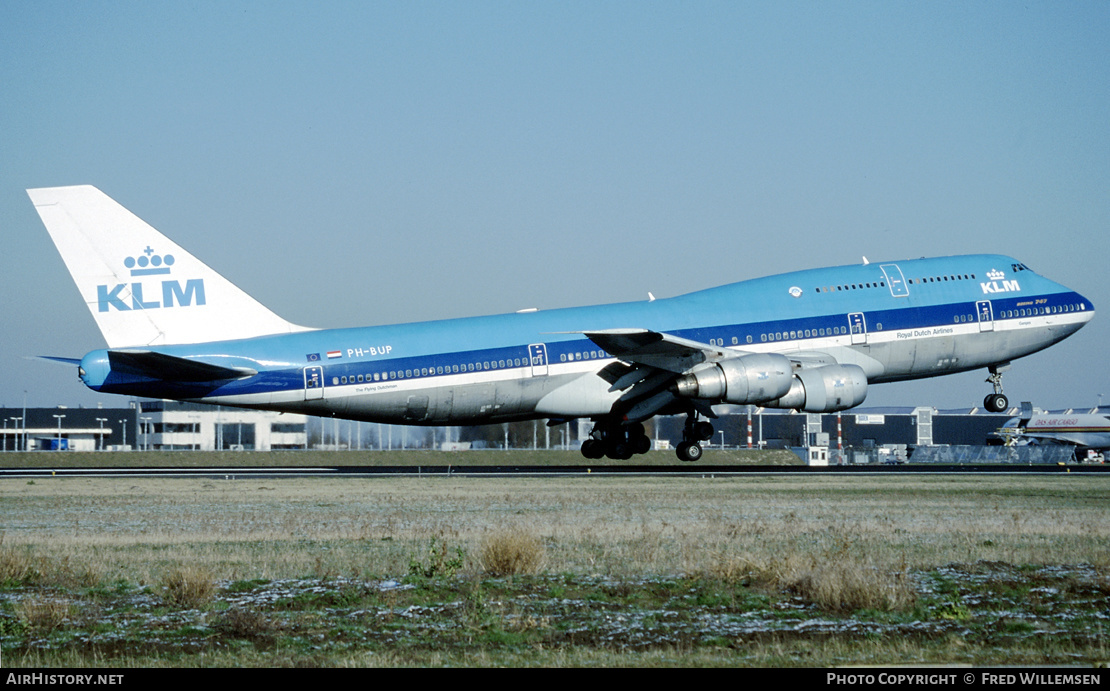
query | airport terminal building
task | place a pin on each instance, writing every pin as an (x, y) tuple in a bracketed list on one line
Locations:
[(151, 425), (864, 435)]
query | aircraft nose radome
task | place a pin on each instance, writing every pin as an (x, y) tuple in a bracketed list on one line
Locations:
[(94, 369)]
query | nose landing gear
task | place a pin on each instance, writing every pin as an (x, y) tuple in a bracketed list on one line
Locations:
[(997, 401)]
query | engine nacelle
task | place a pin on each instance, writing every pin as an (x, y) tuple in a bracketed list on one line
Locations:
[(825, 389), (751, 378)]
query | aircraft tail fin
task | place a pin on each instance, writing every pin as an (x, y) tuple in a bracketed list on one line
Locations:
[(141, 287)]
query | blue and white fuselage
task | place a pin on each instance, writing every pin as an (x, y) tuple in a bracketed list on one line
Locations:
[(810, 340)]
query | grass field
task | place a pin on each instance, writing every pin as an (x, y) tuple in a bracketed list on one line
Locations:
[(302, 459), (572, 571)]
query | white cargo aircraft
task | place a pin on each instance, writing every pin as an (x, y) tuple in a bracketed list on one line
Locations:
[(1084, 430), (811, 340)]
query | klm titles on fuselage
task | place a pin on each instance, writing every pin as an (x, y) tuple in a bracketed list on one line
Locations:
[(998, 284), (171, 292)]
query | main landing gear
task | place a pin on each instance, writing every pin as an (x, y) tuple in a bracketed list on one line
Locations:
[(619, 442), (695, 432), (622, 442), (997, 401)]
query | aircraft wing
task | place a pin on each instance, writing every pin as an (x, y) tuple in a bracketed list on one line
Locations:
[(147, 363), (678, 355), (658, 350), (656, 359)]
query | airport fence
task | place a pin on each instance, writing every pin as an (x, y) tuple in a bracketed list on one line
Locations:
[(1021, 455)]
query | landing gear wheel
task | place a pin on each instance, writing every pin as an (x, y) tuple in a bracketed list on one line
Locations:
[(616, 441), (619, 451), (689, 451), (593, 449), (996, 402), (703, 431)]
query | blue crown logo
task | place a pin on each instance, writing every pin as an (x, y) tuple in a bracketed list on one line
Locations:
[(149, 263)]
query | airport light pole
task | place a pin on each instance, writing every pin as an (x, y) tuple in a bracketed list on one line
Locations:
[(100, 439), (59, 418), (145, 419)]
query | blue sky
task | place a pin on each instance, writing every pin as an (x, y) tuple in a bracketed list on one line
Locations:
[(368, 163)]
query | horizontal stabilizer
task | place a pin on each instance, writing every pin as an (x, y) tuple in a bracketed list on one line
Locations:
[(146, 363), (61, 360)]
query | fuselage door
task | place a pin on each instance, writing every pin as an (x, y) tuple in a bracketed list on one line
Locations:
[(895, 280), (313, 382), (986, 315), (537, 353), (857, 326)]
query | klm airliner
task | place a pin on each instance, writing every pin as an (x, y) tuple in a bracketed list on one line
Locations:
[(810, 340)]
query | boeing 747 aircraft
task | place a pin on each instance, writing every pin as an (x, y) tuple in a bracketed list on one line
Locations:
[(811, 340)]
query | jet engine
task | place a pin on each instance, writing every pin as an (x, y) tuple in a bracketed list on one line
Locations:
[(825, 389), (751, 378)]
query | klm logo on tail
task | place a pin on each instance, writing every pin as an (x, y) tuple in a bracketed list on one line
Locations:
[(171, 293)]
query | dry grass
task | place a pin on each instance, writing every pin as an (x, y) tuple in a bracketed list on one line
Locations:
[(189, 586), (845, 544), (43, 614), (18, 565), (839, 578), (140, 530), (839, 583), (245, 622), (23, 565), (512, 552)]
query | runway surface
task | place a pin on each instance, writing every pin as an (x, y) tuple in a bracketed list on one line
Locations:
[(554, 470)]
